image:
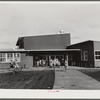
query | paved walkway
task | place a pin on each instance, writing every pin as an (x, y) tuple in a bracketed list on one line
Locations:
[(74, 79)]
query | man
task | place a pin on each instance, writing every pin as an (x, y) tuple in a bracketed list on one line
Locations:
[(62, 63)]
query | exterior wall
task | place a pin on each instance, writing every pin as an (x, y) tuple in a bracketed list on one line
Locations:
[(84, 46), (75, 61), (58, 41), (26, 60), (97, 47), (4, 65), (20, 42)]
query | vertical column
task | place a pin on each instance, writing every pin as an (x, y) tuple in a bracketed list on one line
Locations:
[(46, 60), (13, 56), (6, 56), (49, 57), (33, 61), (67, 58)]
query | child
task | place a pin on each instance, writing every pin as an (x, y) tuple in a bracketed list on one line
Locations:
[(11, 64), (15, 64)]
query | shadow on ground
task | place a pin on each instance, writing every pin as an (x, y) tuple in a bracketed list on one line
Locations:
[(94, 73)]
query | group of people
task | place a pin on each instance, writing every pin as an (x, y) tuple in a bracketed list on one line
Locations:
[(56, 62), (52, 63), (14, 64), (41, 63)]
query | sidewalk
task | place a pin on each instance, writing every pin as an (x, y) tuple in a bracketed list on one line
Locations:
[(73, 79)]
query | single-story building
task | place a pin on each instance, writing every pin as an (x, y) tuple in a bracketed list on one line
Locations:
[(89, 55)]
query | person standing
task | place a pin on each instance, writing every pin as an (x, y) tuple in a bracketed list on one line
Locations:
[(16, 64), (11, 64), (66, 64), (62, 63), (51, 62)]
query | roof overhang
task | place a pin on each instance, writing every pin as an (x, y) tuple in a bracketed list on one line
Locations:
[(37, 50), (53, 50)]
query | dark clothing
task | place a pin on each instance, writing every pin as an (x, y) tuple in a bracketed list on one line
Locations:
[(63, 63), (11, 65)]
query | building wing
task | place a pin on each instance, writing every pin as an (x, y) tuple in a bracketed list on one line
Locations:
[(56, 41)]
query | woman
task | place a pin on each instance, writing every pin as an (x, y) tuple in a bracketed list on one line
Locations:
[(66, 64)]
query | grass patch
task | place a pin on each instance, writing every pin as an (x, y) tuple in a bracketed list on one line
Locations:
[(28, 80), (94, 73)]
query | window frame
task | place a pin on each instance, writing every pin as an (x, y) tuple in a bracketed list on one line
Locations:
[(98, 55), (7, 59), (84, 55), (3, 57)]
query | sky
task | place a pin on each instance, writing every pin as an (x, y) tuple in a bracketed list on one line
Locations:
[(18, 19)]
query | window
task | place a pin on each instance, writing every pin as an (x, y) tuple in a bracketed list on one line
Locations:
[(17, 56), (84, 56), (2, 57), (97, 55), (7, 57)]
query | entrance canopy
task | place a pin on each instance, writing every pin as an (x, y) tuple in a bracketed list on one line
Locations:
[(36, 50)]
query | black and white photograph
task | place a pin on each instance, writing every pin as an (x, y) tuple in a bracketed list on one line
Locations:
[(50, 46)]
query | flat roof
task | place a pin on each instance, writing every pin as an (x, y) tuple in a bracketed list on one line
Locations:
[(36, 50), (40, 35), (55, 50), (81, 42)]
